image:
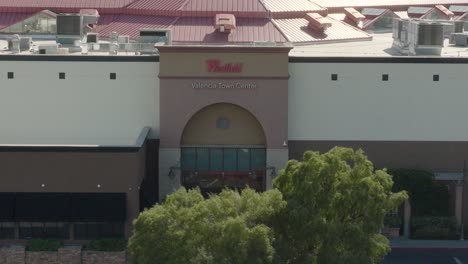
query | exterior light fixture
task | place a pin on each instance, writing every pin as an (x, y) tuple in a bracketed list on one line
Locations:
[(171, 173), (43, 185), (99, 185), (273, 171)]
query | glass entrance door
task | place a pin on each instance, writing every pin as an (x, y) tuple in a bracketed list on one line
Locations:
[(213, 168)]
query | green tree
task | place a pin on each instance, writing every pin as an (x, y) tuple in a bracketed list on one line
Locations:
[(336, 203), (229, 228)]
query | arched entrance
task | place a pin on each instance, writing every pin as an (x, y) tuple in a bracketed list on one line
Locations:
[(223, 146)]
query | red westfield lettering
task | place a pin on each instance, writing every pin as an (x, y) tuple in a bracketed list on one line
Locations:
[(216, 66)]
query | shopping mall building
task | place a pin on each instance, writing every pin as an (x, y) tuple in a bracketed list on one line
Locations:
[(91, 133)]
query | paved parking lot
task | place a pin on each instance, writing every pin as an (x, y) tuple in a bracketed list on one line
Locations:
[(427, 256)]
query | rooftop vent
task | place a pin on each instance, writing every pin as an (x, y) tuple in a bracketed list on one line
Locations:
[(92, 38), (355, 16), (90, 16), (160, 36), (318, 22), (225, 22)]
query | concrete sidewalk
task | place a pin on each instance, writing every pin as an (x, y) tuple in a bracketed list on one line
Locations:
[(428, 244)]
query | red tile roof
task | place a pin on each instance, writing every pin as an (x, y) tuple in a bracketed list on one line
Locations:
[(297, 31), (292, 8), (200, 29), (153, 7), (240, 8), (131, 25), (336, 5)]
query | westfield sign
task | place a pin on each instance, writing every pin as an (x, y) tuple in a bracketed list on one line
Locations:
[(215, 65)]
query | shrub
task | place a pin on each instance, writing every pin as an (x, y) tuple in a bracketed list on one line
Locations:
[(436, 233), (392, 221), (427, 197), (108, 244), (434, 227), (43, 245), (434, 222)]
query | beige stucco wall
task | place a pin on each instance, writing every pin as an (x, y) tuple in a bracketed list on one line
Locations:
[(243, 128), (256, 62)]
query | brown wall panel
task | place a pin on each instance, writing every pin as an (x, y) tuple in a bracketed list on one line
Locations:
[(426, 155), (430, 155), (67, 171)]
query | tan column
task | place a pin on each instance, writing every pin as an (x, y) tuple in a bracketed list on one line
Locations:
[(407, 219), (458, 202)]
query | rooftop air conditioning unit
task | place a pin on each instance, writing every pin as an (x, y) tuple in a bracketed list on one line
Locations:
[(123, 39), (161, 36), (25, 43), (69, 28), (49, 49), (458, 26), (92, 38), (460, 39), (63, 51), (318, 22), (225, 23), (14, 44)]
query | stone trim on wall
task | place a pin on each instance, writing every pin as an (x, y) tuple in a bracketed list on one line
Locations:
[(65, 255), (33, 257), (101, 257)]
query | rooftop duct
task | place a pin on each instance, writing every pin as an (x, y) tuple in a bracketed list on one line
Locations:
[(318, 22), (160, 36), (225, 22)]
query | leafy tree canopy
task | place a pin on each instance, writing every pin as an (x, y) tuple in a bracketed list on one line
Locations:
[(229, 228), (336, 203)]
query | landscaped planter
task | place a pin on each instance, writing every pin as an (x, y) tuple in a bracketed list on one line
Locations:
[(14, 255), (41, 257), (394, 232), (104, 257), (2, 255), (69, 255)]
